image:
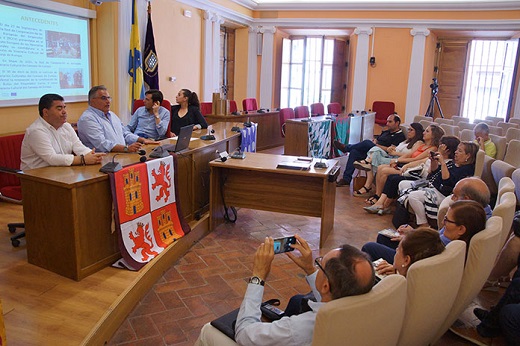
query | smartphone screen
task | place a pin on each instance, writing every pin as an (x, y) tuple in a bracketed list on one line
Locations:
[(283, 244)]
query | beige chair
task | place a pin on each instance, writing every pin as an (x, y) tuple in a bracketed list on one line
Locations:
[(512, 133), (457, 119), (506, 126), (466, 126), (516, 179), (495, 130), (506, 210), (506, 184), (489, 122), (418, 118), (501, 170), (483, 251), (433, 284), (479, 163), (501, 144), (425, 123), (495, 120), (450, 130), (467, 135), (374, 318), (514, 121), (512, 155), (487, 175), (444, 121)]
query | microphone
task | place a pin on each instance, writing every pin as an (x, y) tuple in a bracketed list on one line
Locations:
[(223, 156), (112, 166), (248, 123), (208, 136), (141, 152), (158, 152), (143, 158)]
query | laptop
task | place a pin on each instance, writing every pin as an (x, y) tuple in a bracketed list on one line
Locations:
[(183, 141)]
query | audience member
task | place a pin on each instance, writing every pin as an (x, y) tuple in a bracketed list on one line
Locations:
[(150, 121), (342, 272), (482, 139), (377, 156), (392, 136), (51, 141), (187, 112), (416, 245), (100, 128)]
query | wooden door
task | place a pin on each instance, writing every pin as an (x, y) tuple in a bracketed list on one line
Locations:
[(452, 67), (339, 72)]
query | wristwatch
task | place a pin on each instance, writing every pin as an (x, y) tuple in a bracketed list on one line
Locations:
[(256, 281), (157, 117), (125, 149)]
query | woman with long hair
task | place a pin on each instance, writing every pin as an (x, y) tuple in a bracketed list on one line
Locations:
[(187, 112)]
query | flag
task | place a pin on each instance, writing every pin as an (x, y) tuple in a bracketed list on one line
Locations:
[(151, 63), (135, 69)]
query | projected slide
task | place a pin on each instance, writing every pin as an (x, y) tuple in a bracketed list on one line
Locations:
[(42, 53)]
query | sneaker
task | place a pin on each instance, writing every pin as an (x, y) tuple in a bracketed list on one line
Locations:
[(340, 146), (342, 182), (372, 209), (480, 313), (362, 166)]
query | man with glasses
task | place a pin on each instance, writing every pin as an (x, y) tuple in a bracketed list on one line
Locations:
[(150, 121), (342, 272), (100, 128)]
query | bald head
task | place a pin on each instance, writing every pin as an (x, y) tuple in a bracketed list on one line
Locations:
[(472, 188)]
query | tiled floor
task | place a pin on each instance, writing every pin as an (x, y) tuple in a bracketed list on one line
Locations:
[(210, 279)]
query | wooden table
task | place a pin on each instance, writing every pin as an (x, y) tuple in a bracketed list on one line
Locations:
[(269, 134), (68, 210), (256, 183)]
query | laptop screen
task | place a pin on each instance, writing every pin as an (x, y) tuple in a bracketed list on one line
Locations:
[(183, 140)]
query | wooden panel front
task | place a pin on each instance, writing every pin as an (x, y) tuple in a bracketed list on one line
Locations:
[(296, 138)]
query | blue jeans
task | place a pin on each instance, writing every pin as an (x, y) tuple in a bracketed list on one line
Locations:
[(356, 152), (377, 251)]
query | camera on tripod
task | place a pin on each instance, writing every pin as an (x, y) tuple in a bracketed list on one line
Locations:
[(434, 86)]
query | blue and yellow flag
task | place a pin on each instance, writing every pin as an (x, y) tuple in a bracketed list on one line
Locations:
[(135, 66)]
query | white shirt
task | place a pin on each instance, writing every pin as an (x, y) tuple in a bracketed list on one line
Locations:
[(44, 146)]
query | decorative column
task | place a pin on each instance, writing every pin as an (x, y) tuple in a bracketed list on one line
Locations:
[(266, 72), (207, 48), (359, 87), (415, 75), (252, 67)]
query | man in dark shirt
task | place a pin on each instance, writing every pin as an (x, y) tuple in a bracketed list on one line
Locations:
[(392, 136)]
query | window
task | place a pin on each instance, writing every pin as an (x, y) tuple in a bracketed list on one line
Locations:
[(489, 76), (306, 71)]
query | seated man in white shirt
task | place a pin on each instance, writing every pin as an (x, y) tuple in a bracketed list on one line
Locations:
[(152, 120), (342, 272), (51, 140)]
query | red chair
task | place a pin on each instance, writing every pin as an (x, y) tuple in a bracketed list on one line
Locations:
[(206, 108), (317, 109), (249, 104), (165, 103), (334, 108), (233, 106), (10, 187), (383, 109), (285, 113), (301, 112)]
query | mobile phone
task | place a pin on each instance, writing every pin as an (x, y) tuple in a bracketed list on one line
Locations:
[(284, 244)]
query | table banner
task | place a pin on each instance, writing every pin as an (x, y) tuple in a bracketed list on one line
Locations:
[(147, 214), (319, 139)]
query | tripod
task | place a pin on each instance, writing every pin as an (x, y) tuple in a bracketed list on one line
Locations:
[(434, 101)]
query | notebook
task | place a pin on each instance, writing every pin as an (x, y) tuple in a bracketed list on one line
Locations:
[(183, 141)]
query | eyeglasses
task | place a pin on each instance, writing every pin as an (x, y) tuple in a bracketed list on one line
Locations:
[(448, 220), (105, 98), (317, 263)]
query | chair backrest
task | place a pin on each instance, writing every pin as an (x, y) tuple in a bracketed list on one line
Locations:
[(514, 121), (443, 209), (418, 118), (285, 113), (512, 133), (301, 112), (317, 109), (444, 121), (505, 126), (450, 130), (466, 126), (506, 210), (458, 119), (495, 130), (432, 284), (233, 106), (374, 318), (501, 170), (512, 157), (487, 175), (483, 251), (495, 120), (334, 108), (249, 104), (516, 179), (467, 135), (506, 184), (425, 123), (501, 144), (206, 108), (383, 109), (10, 157), (479, 163)]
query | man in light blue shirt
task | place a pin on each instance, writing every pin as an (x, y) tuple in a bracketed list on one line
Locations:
[(150, 121), (100, 128)]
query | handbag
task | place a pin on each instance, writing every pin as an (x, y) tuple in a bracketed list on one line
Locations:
[(414, 172)]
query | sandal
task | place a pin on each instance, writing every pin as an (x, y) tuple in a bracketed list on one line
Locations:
[(372, 200), (361, 193)]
